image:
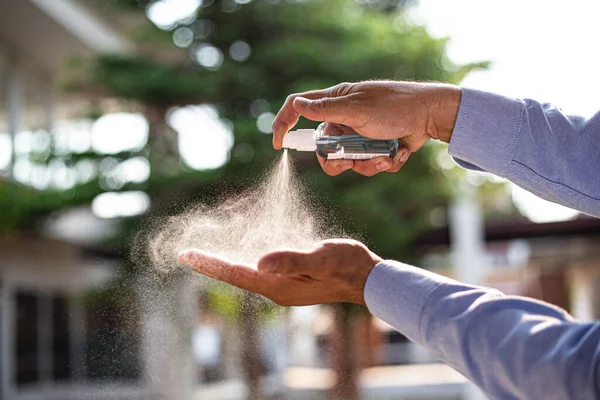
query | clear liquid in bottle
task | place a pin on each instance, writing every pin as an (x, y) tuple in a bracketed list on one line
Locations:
[(339, 142)]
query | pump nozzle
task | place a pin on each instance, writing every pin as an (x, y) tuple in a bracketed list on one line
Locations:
[(301, 140)]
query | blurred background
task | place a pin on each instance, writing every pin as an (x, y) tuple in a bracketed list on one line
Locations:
[(113, 112)]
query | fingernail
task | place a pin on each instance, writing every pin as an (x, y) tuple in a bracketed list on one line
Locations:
[(184, 256), (383, 165), (404, 155)]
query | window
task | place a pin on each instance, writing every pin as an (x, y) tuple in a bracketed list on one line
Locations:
[(61, 339), (27, 339), (42, 336)]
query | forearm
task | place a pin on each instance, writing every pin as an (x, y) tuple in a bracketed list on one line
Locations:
[(534, 145), (512, 347)]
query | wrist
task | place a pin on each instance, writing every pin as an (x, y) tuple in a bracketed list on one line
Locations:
[(375, 259), (443, 109)]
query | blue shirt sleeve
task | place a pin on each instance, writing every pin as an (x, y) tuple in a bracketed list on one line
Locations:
[(534, 145), (511, 347)]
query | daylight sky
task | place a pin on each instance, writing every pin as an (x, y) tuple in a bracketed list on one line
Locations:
[(539, 49)]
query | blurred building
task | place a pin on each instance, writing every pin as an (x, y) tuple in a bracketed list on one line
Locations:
[(55, 343), (46, 339), (557, 262), (36, 38)]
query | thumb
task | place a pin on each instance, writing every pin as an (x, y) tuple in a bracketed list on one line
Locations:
[(331, 109), (286, 262)]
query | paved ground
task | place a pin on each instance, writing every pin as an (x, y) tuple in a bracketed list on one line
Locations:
[(405, 382)]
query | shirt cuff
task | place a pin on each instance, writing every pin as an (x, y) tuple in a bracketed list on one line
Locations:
[(397, 293), (486, 131)]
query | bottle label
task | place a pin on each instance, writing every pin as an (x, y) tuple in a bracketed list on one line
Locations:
[(354, 156)]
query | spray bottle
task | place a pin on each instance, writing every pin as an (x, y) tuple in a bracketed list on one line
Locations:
[(339, 142)]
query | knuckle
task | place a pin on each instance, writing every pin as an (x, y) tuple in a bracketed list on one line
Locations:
[(319, 104), (278, 122), (342, 88), (290, 98)]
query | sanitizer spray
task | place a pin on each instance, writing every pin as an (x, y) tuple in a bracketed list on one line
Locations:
[(337, 142)]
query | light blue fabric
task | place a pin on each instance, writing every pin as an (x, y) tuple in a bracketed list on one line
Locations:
[(534, 145), (511, 347)]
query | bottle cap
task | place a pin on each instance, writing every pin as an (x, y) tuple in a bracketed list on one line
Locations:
[(301, 140)]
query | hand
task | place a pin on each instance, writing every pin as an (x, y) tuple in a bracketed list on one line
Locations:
[(410, 111), (334, 271)]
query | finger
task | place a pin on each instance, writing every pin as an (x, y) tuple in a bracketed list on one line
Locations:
[(287, 262), (287, 116), (399, 160), (373, 166), (220, 268), (337, 130), (334, 167), (339, 110)]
